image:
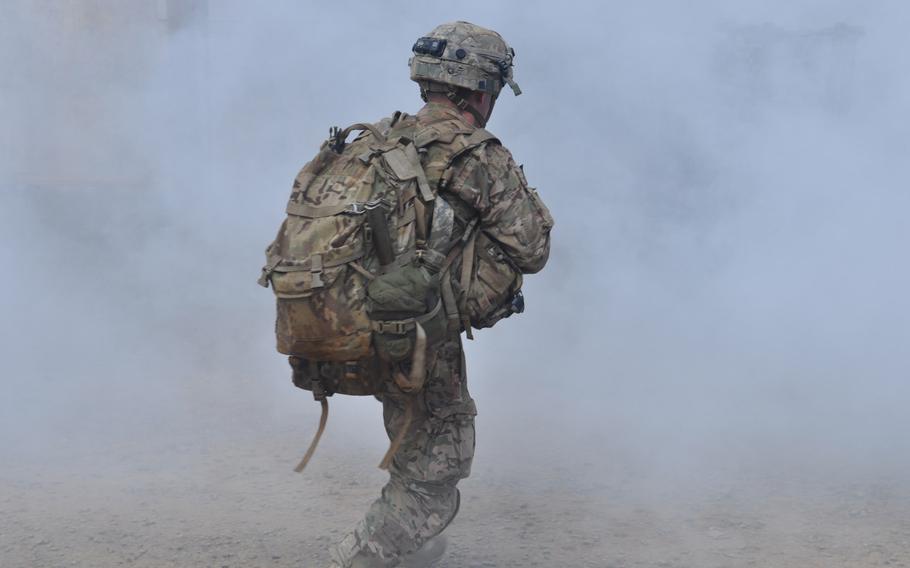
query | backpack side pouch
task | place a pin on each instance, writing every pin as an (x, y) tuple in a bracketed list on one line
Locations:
[(494, 292)]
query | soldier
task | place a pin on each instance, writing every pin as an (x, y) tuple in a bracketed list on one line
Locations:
[(461, 69)]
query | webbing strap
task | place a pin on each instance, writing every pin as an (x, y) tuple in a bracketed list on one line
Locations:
[(361, 126), (405, 164), (422, 184), (315, 211), (420, 220), (403, 326), (467, 266), (331, 259), (267, 272), (323, 418), (402, 432), (398, 163), (316, 271), (455, 250), (408, 216), (451, 305), (463, 104), (362, 271), (453, 313), (467, 263)]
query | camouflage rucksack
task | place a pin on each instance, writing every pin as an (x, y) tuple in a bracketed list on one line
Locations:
[(357, 271)]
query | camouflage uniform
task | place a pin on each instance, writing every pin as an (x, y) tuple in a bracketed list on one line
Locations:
[(421, 497)]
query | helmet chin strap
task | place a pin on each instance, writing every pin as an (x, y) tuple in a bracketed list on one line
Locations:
[(459, 101), (490, 112), (463, 104)]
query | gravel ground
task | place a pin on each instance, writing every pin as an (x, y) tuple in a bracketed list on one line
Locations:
[(219, 500)]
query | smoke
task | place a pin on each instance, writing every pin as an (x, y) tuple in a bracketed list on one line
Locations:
[(726, 283)]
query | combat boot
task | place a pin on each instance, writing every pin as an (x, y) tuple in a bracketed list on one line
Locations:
[(428, 555)]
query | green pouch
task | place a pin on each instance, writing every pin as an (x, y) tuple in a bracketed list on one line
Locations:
[(396, 302), (405, 292)]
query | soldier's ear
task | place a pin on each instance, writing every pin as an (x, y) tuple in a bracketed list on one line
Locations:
[(480, 98)]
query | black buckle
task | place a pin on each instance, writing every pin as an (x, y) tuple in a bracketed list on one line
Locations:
[(517, 304), (336, 142)]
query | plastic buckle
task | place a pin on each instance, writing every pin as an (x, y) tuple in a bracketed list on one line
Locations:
[(370, 205), (316, 272), (393, 327), (358, 208)]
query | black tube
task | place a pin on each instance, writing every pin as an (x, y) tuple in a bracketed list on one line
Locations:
[(382, 241)]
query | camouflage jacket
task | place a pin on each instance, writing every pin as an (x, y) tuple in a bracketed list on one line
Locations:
[(486, 182)]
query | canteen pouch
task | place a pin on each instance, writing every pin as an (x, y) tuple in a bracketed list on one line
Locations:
[(396, 302)]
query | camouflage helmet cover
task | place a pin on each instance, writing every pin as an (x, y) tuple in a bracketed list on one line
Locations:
[(461, 54)]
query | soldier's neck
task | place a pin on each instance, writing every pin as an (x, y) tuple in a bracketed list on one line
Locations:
[(439, 98)]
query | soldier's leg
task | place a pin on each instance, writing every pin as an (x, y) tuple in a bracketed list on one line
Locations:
[(421, 498)]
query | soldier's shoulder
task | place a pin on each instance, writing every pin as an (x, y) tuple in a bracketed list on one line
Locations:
[(495, 152), (492, 145)]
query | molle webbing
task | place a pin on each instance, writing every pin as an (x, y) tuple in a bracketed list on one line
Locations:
[(330, 259)]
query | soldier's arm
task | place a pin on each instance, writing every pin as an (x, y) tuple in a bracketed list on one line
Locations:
[(510, 211)]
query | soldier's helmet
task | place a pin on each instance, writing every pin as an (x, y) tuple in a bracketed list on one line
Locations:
[(462, 55)]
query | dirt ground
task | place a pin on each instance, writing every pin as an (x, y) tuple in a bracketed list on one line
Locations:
[(231, 500)]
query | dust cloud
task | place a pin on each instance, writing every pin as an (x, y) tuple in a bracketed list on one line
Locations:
[(725, 301)]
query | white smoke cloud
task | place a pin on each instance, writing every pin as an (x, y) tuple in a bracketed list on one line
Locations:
[(728, 183)]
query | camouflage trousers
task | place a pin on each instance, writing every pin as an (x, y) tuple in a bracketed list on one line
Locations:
[(420, 499)]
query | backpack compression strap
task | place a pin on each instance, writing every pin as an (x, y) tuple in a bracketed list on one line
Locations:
[(312, 449), (321, 395)]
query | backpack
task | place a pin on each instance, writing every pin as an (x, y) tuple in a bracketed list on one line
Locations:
[(362, 277)]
